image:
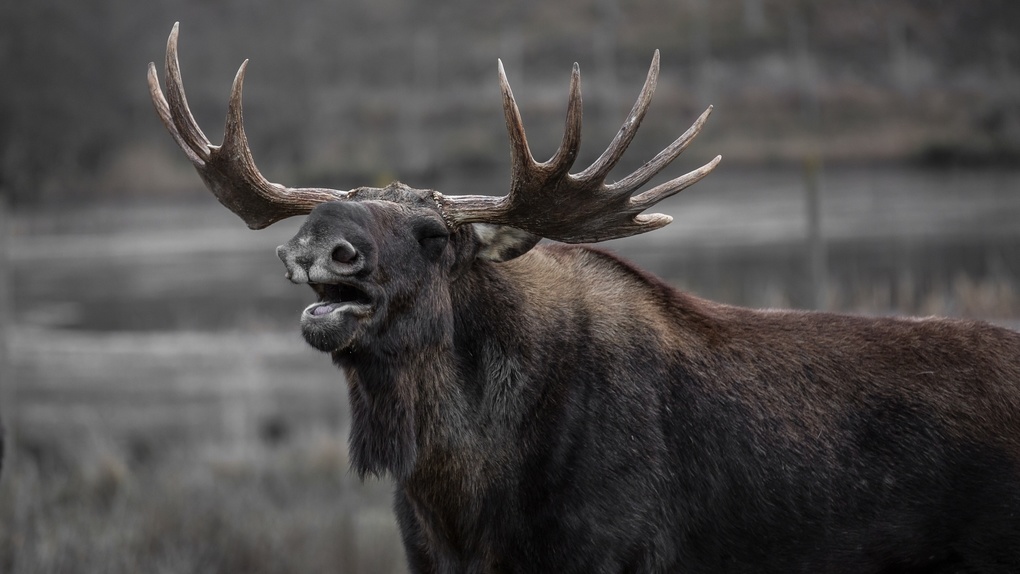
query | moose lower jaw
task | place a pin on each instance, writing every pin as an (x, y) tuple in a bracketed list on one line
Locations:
[(332, 326)]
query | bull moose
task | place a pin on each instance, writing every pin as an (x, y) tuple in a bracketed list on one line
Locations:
[(553, 408)]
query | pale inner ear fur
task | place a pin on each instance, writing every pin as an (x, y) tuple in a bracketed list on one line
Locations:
[(502, 243)]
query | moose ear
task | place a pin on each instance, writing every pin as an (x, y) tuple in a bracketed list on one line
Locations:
[(500, 243)]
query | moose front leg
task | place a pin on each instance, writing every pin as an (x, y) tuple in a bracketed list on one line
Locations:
[(419, 561)]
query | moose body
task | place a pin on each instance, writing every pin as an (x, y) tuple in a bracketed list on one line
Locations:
[(565, 411), (552, 408)]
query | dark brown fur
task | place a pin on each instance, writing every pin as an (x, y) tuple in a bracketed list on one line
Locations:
[(565, 411)]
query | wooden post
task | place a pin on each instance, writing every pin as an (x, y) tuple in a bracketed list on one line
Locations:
[(701, 41), (418, 155), (604, 48), (817, 252), (816, 248), (8, 388)]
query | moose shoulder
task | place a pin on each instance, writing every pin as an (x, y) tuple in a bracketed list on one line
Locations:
[(547, 408)]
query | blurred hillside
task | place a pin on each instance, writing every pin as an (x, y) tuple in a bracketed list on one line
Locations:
[(359, 93)]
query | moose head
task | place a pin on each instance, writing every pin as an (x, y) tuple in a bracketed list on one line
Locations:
[(379, 258)]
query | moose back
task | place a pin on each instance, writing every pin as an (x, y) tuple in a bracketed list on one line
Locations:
[(552, 408)]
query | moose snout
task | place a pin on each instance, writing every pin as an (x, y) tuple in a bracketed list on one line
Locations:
[(333, 243), (317, 261)]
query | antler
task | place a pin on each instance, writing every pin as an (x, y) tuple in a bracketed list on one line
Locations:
[(545, 199), (228, 170)]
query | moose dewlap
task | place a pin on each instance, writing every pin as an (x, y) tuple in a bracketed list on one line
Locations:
[(552, 408)]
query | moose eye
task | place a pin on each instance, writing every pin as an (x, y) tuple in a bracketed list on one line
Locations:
[(433, 241), (431, 234)]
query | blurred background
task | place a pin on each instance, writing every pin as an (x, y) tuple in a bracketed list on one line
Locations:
[(163, 413)]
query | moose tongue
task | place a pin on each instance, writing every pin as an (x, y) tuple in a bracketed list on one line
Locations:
[(322, 309)]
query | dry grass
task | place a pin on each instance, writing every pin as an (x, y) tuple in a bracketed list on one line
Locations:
[(184, 452), (274, 510), (995, 297)]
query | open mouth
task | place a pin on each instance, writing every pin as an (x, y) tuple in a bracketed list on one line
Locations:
[(338, 298)]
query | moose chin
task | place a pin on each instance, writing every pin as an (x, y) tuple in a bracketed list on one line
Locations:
[(553, 408)]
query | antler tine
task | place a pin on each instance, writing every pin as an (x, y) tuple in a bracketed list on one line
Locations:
[(185, 123), (609, 158), (520, 154), (646, 199), (522, 162), (546, 200), (228, 170), (163, 109), (646, 172), (565, 156)]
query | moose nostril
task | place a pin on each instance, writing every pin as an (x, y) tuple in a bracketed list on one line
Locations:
[(344, 252)]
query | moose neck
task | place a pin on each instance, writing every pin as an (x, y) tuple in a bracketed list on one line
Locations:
[(500, 335), (383, 431), (415, 406), (389, 386)]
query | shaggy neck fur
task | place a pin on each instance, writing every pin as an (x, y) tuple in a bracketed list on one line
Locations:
[(421, 406), (394, 390)]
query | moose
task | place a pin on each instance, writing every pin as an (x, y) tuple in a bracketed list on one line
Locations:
[(553, 408)]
